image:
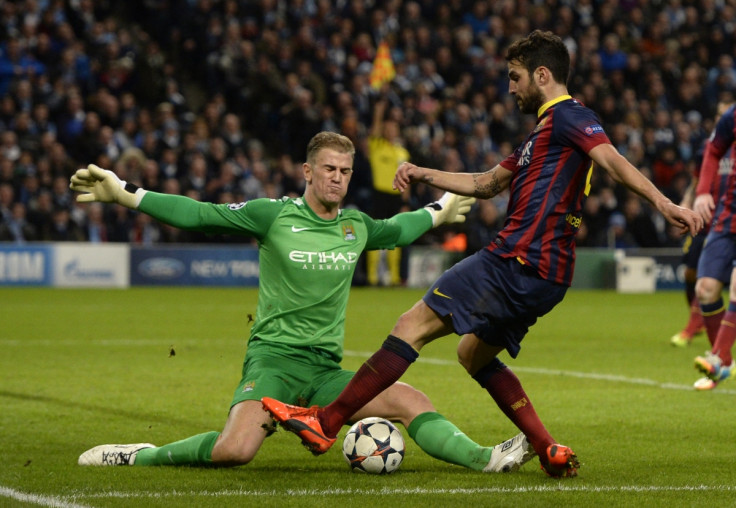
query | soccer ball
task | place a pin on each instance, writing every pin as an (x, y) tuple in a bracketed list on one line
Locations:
[(373, 445)]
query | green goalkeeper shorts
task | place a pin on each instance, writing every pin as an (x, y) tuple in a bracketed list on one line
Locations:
[(291, 375)]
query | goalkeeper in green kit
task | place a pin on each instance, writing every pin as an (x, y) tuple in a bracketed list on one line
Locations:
[(308, 250)]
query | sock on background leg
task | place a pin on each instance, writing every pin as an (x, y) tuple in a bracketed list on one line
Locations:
[(712, 316), (689, 290), (441, 439), (393, 260), (192, 451), (372, 263), (726, 335), (505, 388), (695, 323), (379, 372)]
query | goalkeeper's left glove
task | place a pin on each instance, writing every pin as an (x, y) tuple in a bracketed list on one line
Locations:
[(103, 185), (451, 208)]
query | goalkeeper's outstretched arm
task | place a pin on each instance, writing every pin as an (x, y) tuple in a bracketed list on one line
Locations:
[(449, 209), (97, 184)]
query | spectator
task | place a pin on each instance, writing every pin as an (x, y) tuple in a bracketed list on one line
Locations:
[(272, 70), (95, 228), (62, 228), (639, 223), (16, 228), (618, 236)]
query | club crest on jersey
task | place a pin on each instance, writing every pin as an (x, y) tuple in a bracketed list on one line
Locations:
[(539, 125), (348, 232), (593, 129)]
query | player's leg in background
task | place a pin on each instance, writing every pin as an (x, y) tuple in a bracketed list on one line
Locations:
[(695, 323), (393, 260), (692, 249), (372, 265), (708, 291), (714, 268), (727, 331)]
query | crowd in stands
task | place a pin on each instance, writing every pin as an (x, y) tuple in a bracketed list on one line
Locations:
[(216, 99)]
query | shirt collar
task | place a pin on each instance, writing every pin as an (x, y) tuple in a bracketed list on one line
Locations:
[(544, 107)]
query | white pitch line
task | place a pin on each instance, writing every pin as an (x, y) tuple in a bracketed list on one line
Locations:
[(614, 378), (364, 354), (50, 501), (414, 491)]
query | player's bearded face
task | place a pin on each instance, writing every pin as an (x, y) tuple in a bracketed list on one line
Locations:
[(528, 96), (531, 100)]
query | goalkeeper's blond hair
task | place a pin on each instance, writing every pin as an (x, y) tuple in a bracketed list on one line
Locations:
[(332, 140)]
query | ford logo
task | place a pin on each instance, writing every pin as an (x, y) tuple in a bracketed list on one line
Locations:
[(161, 268)]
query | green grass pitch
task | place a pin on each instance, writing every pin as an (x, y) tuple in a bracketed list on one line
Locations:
[(86, 367)]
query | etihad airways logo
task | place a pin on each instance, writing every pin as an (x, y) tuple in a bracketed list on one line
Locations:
[(324, 260)]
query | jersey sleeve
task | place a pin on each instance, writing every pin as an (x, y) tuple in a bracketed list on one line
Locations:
[(397, 231), (580, 128), (251, 218), (715, 149), (512, 160)]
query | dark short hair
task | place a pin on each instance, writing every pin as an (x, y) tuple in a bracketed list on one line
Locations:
[(332, 140), (541, 49)]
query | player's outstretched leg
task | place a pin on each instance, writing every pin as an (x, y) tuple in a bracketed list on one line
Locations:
[(510, 455), (304, 422), (560, 462), (112, 454)]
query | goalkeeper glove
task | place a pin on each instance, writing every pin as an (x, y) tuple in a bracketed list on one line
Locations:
[(103, 185), (450, 208)]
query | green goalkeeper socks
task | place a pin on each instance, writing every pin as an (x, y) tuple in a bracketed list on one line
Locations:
[(441, 439), (192, 451), (434, 434)]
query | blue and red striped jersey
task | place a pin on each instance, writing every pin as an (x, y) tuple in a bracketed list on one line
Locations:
[(551, 180), (723, 172), (718, 160)]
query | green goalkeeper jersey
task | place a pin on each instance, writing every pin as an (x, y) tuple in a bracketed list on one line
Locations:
[(306, 262)]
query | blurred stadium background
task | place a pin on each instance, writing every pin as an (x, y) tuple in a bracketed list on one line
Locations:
[(216, 99)]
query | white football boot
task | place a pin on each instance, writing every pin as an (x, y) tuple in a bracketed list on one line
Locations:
[(112, 454), (510, 455), (704, 383)]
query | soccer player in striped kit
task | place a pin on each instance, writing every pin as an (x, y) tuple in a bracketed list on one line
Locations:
[(716, 262), (693, 245), (492, 297)]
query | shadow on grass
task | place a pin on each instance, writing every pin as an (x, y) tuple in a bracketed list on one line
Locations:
[(106, 410)]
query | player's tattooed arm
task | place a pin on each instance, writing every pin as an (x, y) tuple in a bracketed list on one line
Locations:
[(479, 185), (487, 184)]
